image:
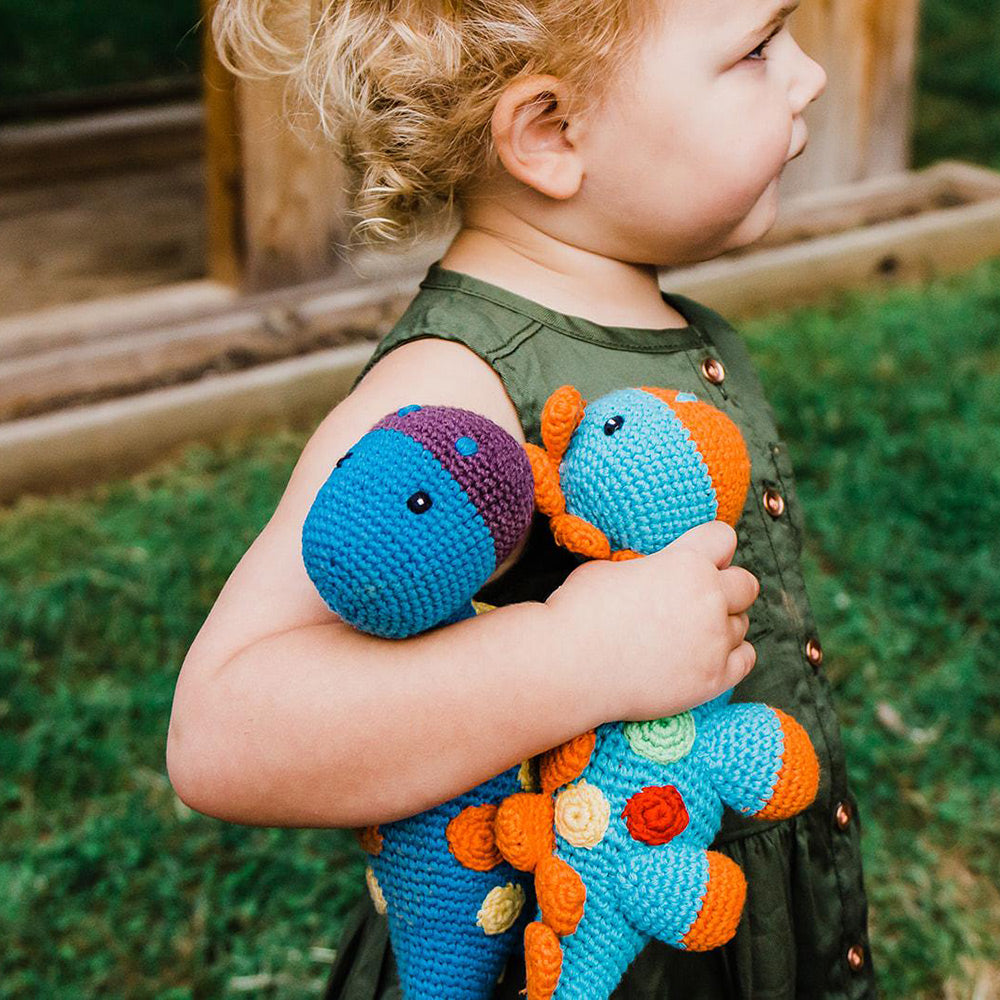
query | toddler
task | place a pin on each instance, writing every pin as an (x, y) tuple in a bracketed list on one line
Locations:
[(585, 144)]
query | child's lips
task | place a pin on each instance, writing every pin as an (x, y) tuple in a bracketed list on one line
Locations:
[(801, 148)]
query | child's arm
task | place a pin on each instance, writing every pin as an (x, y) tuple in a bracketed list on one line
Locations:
[(283, 715)]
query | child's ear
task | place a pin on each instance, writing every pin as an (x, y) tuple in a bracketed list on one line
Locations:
[(533, 138)]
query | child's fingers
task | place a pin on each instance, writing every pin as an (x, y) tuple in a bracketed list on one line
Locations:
[(741, 661), (740, 587), (739, 625), (715, 540)]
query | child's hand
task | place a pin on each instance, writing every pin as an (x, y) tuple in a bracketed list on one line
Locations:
[(661, 634)]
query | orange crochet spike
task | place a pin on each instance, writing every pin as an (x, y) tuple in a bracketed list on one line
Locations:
[(564, 763), (472, 840), (542, 961), (561, 415), (721, 906), (721, 446), (549, 497), (524, 829), (561, 895), (577, 535), (624, 555), (798, 779)]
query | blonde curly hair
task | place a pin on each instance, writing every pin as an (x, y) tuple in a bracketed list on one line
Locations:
[(406, 88)]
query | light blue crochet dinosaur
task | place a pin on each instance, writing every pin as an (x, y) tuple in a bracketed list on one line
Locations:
[(618, 837)]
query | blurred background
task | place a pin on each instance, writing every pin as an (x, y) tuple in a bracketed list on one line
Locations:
[(175, 315)]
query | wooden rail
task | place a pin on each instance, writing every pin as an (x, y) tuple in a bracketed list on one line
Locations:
[(96, 143), (882, 232)]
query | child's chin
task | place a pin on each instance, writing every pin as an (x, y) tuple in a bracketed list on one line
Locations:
[(759, 222)]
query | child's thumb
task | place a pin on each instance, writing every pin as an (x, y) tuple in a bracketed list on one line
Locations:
[(716, 540)]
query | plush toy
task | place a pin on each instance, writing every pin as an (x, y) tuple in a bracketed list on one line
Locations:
[(408, 527), (618, 836)]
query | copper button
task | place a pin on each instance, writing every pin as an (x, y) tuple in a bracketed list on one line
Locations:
[(774, 503), (843, 815), (814, 652), (856, 958), (713, 371)]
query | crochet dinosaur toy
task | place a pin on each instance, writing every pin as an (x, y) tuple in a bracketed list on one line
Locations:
[(618, 836), (408, 527)]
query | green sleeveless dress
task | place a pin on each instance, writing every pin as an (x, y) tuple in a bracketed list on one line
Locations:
[(804, 928)]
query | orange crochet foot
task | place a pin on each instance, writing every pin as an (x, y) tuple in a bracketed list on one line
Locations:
[(798, 778), (721, 907)]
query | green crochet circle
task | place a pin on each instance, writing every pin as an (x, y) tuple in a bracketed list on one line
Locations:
[(664, 741)]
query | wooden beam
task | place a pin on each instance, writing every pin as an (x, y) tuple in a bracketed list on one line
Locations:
[(881, 230), (121, 141), (276, 198), (861, 126), (224, 195), (87, 443)]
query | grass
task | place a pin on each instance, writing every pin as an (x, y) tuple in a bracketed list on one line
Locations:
[(108, 885)]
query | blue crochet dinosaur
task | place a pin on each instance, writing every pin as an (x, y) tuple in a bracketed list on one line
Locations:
[(408, 527)]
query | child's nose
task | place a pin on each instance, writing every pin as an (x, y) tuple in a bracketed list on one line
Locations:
[(810, 81)]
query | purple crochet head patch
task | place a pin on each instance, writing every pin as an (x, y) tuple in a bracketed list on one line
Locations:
[(487, 462)]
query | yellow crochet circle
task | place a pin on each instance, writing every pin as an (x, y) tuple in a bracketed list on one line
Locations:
[(375, 891), (582, 814), (501, 907), (664, 741)]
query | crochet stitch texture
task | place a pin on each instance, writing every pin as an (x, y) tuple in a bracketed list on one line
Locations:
[(612, 834), (409, 525), (618, 837)]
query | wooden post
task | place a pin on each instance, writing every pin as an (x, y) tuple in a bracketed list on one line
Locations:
[(276, 203), (861, 126), (226, 251)]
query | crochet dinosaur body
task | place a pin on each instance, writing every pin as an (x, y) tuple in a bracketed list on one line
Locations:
[(409, 525), (618, 836), (610, 831)]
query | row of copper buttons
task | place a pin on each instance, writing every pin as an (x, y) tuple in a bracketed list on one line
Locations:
[(714, 371), (856, 953), (774, 503)]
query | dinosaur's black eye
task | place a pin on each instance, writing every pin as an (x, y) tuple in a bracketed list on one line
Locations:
[(340, 461), (419, 503), (613, 425)]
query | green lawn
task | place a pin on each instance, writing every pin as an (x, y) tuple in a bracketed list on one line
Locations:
[(109, 886)]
